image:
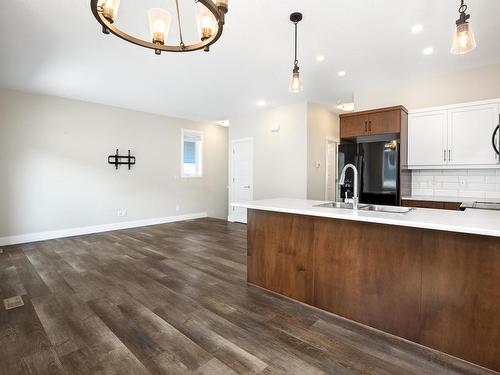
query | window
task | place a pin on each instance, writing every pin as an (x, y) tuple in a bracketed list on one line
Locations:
[(191, 153)]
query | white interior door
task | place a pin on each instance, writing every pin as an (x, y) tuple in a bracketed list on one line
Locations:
[(241, 177), (469, 134), (427, 138), (331, 170)]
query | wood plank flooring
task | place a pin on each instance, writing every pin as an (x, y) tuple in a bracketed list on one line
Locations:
[(173, 299)]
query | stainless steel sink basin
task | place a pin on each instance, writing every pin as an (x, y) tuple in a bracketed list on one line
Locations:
[(388, 209), (339, 205)]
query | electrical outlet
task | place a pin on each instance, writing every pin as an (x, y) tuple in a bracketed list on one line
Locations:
[(177, 208), (122, 212)]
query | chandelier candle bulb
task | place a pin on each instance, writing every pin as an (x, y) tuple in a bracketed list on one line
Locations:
[(110, 9), (159, 25), (206, 26)]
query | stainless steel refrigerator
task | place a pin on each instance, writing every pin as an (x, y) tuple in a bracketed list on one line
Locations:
[(378, 170)]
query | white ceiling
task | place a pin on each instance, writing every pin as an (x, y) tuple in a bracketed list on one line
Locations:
[(56, 47)]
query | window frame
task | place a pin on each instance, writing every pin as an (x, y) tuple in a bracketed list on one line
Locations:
[(195, 133)]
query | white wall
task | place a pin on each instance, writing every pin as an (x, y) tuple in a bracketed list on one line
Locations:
[(54, 173), (280, 158), (321, 123), (459, 87)]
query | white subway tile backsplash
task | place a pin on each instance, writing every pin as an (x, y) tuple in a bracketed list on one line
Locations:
[(472, 194), (481, 187), (471, 183), (493, 195), (493, 179), (455, 172), (430, 172), (445, 178), (481, 172), (472, 179), (424, 192), (446, 193)]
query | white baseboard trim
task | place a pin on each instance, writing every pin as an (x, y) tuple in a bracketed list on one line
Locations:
[(42, 236)]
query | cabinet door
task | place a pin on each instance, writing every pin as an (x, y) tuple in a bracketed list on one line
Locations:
[(469, 134), (353, 126), (427, 138), (384, 122)]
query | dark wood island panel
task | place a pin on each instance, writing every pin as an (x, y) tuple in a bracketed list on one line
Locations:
[(439, 289)]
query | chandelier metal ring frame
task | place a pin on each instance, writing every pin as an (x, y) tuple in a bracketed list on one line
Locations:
[(209, 4)]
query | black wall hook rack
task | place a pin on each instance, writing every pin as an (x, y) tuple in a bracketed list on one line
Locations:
[(117, 160)]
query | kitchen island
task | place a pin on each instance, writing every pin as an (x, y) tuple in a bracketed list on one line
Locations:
[(429, 276)]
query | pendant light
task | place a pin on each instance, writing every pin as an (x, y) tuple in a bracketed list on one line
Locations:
[(296, 84), (463, 40)]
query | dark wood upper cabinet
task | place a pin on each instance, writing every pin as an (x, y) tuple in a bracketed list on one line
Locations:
[(353, 126), (373, 122)]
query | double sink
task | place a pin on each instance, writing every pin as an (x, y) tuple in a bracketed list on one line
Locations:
[(367, 207)]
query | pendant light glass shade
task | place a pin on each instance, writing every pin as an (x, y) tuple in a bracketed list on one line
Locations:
[(463, 40), (109, 9), (296, 85), (159, 25), (206, 25)]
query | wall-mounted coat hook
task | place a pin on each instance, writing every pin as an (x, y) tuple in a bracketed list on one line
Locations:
[(117, 160)]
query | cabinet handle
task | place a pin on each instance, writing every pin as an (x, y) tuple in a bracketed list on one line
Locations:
[(444, 155), (370, 126), (449, 155), (366, 126)]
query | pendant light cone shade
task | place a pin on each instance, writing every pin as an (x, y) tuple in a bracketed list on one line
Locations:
[(296, 85), (159, 25), (463, 40), (109, 9), (206, 25)]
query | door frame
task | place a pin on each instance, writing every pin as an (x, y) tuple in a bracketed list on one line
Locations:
[(231, 181), (330, 139)]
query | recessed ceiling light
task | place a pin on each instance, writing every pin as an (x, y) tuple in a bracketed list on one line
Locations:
[(224, 123), (341, 73), (415, 29), (428, 51), (320, 58), (346, 107), (261, 103)]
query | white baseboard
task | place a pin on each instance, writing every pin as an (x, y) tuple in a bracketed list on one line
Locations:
[(41, 236)]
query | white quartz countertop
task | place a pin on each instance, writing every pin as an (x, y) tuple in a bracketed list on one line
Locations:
[(482, 222), (446, 199)]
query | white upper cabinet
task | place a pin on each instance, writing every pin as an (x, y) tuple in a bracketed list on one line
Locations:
[(470, 130), (453, 137), (427, 138)]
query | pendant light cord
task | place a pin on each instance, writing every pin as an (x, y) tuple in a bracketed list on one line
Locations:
[(179, 22), (296, 61)]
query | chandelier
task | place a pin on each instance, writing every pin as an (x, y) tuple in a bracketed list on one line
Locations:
[(210, 20)]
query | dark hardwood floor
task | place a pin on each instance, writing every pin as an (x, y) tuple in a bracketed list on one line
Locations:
[(173, 299)]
